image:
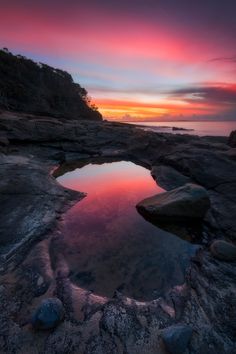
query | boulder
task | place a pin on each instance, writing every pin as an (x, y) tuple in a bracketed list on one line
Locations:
[(223, 250), (48, 314), (176, 338), (190, 201), (232, 139)]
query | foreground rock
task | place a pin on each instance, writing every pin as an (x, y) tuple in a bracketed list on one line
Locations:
[(31, 207), (190, 201), (223, 250), (48, 315), (30, 200), (177, 338)]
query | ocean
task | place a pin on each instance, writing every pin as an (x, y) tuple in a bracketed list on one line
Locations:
[(213, 128)]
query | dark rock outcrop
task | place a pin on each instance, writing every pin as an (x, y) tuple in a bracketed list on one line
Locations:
[(232, 139), (190, 201), (26, 86), (181, 129)]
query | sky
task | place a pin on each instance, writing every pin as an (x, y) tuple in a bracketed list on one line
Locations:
[(139, 60)]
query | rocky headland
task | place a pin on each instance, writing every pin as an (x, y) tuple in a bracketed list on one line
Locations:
[(41, 310), (30, 87)]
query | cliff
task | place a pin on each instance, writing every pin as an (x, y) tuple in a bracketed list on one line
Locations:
[(26, 86)]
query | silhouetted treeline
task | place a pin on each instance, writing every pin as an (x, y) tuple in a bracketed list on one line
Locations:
[(26, 86)]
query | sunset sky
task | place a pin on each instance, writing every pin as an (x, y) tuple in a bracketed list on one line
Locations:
[(138, 59)]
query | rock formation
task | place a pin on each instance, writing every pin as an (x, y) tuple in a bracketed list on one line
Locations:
[(232, 139)]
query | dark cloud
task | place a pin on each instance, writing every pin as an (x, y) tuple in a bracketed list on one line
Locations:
[(231, 59), (220, 95), (218, 15)]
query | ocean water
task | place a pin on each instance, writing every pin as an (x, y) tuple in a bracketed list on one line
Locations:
[(213, 128)]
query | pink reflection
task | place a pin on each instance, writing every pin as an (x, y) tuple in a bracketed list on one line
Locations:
[(107, 245), (112, 180)]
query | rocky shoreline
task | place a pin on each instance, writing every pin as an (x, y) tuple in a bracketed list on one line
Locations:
[(197, 317)]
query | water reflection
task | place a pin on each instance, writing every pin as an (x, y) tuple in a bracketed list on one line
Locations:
[(107, 245)]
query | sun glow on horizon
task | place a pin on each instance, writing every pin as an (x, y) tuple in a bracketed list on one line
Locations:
[(128, 110)]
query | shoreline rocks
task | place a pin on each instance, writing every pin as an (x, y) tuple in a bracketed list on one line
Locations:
[(34, 150)]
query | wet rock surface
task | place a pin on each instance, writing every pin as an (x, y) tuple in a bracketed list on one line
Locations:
[(32, 206)]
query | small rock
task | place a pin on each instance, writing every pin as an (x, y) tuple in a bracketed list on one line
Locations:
[(178, 128), (223, 250), (177, 338), (48, 314), (190, 201), (232, 139)]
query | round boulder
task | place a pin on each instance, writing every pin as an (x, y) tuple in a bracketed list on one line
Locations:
[(190, 201), (176, 338), (224, 251), (48, 314)]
